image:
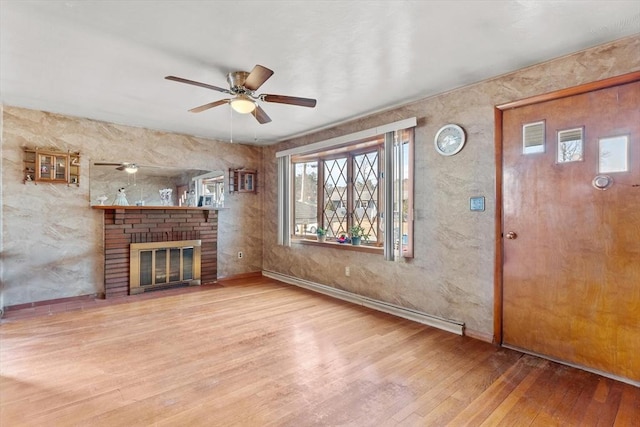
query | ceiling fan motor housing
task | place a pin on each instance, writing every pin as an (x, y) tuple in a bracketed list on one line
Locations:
[(236, 81)]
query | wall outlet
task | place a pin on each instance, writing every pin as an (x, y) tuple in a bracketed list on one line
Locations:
[(240, 254), (347, 271)]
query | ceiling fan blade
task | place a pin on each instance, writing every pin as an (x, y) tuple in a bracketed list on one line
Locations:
[(191, 82), (257, 77), (261, 116), (292, 100), (209, 105), (107, 164)]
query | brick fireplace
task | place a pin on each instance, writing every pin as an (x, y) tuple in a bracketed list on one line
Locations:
[(124, 225)]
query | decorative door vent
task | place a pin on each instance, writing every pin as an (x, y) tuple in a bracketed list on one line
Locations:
[(533, 138), (164, 264)]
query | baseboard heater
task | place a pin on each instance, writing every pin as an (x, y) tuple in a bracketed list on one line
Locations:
[(426, 319)]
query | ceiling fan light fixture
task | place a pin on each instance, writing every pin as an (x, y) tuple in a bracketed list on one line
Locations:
[(244, 98), (243, 104), (131, 168)]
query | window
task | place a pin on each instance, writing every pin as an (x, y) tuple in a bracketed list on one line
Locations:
[(613, 154), (570, 145), (338, 189), (305, 198), (401, 196), (336, 185)]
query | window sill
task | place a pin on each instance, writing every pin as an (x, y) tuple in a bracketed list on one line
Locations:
[(342, 246)]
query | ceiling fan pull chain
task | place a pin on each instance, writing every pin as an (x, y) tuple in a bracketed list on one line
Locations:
[(231, 123), (255, 126)]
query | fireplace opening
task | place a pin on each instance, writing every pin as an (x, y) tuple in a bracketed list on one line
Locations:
[(159, 265)]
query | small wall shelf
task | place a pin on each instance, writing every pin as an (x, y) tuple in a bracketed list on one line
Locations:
[(243, 180), (51, 166)]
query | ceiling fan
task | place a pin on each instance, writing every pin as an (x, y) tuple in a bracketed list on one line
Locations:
[(124, 166), (242, 86)]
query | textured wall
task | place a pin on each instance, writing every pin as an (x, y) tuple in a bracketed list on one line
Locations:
[(52, 239), (452, 274)]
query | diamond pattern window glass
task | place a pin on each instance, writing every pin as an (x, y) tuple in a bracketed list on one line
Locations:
[(335, 201), (365, 193), (349, 192)]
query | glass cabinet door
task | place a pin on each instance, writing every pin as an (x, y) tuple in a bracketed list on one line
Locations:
[(45, 167), (52, 167), (60, 168)]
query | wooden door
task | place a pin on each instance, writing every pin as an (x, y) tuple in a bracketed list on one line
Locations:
[(571, 268)]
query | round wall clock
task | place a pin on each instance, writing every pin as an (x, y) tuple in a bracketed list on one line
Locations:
[(449, 139)]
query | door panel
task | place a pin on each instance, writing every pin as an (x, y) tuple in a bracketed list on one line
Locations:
[(571, 277)]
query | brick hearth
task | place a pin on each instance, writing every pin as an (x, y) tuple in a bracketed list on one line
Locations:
[(123, 226)]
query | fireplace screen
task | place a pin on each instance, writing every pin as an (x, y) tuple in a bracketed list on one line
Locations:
[(162, 264)]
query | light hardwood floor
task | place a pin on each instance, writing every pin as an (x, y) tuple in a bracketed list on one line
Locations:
[(256, 352)]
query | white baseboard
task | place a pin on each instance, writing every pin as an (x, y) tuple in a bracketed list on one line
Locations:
[(426, 319)]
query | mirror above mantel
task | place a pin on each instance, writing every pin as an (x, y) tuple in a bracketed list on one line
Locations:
[(147, 185)]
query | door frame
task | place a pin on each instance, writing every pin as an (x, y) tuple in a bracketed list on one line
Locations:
[(498, 113)]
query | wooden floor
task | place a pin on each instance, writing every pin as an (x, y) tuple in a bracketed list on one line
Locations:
[(256, 352)]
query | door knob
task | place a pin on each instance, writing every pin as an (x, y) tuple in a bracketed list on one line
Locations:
[(511, 235)]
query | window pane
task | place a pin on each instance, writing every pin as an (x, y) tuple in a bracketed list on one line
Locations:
[(61, 167), (306, 198), (335, 197), (46, 166), (187, 264), (146, 268), (406, 218), (161, 266), (613, 154), (399, 182), (174, 264), (570, 146), (365, 193)]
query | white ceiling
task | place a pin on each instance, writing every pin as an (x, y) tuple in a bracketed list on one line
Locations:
[(107, 60)]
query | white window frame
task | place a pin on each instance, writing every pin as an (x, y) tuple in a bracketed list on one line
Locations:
[(390, 191)]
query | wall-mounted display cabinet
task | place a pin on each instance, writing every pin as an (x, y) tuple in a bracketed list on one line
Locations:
[(243, 180), (51, 166)]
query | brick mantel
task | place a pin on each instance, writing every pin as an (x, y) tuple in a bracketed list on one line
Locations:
[(124, 225)]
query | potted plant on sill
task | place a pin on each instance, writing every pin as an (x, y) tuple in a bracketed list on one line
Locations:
[(357, 233), (321, 233)]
